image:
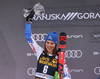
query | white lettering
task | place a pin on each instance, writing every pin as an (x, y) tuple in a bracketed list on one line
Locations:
[(76, 70), (97, 15), (68, 16), (74, 36)]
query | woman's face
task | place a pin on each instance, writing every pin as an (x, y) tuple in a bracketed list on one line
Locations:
[(50, 45)]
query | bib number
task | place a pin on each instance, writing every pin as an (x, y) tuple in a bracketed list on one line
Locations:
[(45, 69)]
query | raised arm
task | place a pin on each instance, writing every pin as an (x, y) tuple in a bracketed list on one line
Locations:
[(29, 14), (35, 47)]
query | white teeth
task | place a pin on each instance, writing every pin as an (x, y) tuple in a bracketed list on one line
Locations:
[(49, 48)]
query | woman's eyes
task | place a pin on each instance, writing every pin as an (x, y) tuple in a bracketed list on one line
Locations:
[(50, 43)]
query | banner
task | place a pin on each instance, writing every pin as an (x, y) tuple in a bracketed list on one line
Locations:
[(62, 16)]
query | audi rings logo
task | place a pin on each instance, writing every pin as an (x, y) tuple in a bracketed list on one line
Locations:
[(39, 37), (73, 53), (31, 71), (97, 70)]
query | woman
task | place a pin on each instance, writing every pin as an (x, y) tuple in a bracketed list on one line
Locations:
[(47, 58)]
